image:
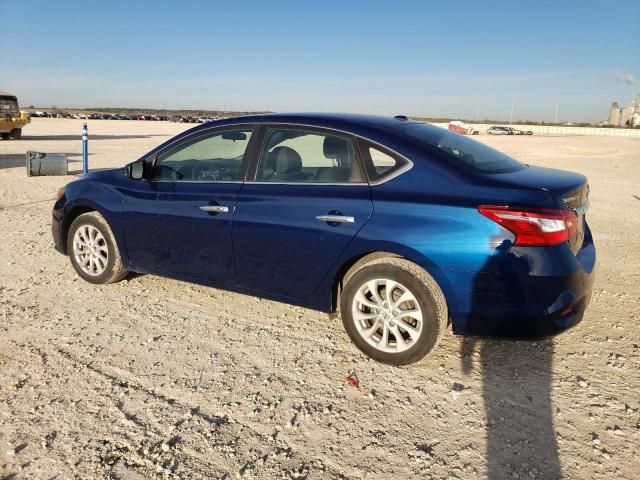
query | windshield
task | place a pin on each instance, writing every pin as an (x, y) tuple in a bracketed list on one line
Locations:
[(8, 105), (460, 149)]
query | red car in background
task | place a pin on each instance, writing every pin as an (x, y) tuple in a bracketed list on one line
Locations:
[(461, 127)]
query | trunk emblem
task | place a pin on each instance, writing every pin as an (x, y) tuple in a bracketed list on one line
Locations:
[(570, 199)]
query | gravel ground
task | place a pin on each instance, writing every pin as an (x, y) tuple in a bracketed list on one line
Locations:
[(153, 377)]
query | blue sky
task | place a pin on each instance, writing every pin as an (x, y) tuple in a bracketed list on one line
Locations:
[(426, 58)]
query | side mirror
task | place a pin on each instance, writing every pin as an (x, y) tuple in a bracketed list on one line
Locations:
[(136, 170)]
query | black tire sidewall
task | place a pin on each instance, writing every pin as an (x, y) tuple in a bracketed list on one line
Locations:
[(105, 276), (431, 325)]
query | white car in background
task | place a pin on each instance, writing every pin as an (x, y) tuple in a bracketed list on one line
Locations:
[(499, 131), (507, 131)]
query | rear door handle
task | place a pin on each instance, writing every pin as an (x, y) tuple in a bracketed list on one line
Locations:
[(335, 218), (214, 208)]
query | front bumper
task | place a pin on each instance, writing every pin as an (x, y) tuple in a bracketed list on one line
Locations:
[(57, 229)]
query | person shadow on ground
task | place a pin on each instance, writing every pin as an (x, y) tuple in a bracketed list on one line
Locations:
[(516, 390)]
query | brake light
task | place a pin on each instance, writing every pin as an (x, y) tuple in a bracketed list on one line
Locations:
[(534, 227)]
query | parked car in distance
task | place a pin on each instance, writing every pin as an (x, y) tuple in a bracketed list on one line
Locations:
[(401, 227), (494, 130), (463, 128), (499, 131)]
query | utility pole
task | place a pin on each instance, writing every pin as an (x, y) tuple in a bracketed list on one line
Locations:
[(557, 108), (511, 117)]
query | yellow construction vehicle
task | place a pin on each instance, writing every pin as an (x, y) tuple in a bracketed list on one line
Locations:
[(11, 118)]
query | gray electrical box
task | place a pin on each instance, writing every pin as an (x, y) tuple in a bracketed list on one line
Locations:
[(46, 164)]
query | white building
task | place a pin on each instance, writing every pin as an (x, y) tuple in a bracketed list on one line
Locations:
[(628, 116)]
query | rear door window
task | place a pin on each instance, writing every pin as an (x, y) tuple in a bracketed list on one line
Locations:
[(291, 155)]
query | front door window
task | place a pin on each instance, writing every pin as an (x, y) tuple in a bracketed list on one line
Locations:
[(211, 157)]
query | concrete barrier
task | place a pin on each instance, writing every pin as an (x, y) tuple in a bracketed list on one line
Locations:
[(46, 164), (559, 130)]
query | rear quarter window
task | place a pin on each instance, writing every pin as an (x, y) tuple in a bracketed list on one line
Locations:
[(380, 164)]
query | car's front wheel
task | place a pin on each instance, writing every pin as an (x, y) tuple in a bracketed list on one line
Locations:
[(93, 250), (393, 311)]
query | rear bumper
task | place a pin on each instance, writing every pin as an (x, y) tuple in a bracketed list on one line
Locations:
[(566, 300), (530, 295)]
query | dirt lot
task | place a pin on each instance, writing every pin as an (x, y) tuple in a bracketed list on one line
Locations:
[(156, 378)]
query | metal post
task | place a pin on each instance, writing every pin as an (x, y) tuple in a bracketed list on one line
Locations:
[(85, 142), (511, 116), (557, 108)]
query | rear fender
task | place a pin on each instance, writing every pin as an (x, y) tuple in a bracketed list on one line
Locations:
[(327, 295)]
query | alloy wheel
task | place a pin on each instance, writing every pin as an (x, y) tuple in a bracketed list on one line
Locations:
[(387, 315), (90, 250)]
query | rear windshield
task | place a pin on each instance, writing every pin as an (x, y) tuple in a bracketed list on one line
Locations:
[(460, 149)]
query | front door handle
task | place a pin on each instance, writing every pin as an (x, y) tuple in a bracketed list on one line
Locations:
[(214, 208), (335, 218)]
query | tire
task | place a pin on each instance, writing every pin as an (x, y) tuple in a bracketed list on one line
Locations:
[(82, 237), (15, 134), (419, 336), (5, 136)]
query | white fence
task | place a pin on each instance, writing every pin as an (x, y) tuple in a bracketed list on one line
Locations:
[(557, 130)]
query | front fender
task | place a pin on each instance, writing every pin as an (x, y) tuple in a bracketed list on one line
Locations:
[(85, 195)]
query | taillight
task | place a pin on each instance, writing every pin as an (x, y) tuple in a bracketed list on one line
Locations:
[(534, 227)]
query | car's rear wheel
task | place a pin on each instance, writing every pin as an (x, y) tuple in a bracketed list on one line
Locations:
[(93, 250), (15, 134), (5, 136), (393, 311)]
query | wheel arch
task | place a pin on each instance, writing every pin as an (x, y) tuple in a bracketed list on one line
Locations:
[(76, 209), (356, 262), (74, 213)]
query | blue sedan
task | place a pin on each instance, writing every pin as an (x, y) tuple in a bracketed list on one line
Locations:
[(401, 227)]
